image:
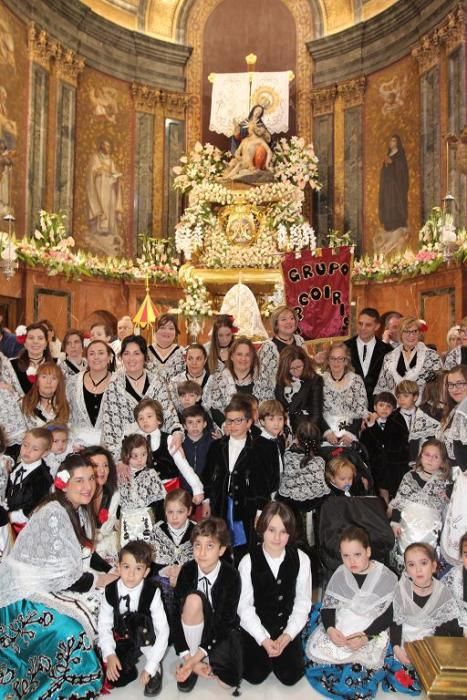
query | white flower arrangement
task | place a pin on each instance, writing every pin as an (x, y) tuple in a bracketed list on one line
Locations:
[(197, 301), (274, 300), (203, 163), (295, 161), (296, 238)]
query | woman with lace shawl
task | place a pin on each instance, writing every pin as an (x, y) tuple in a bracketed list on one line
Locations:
[(412, 359), (43, 606), (418, 510), (85, 393), (344, 398), (284, 325), (453, 428), (347, 639), (165, 355), (127, 388), (423, 607), (456, 581), (458, 355), (242, 374)]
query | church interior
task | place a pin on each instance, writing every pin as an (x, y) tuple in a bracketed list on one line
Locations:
[(122, 194)]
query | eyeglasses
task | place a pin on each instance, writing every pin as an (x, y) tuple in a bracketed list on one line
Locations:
[(413, 331), (337, 359), (456, 385), (234, 421)]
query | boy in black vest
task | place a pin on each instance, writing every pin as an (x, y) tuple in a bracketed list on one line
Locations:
[(30, 480), (205, 622), (132, 621)]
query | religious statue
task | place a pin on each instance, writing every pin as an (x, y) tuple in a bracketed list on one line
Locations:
[(104, 198), (6, 164), (251, 162)]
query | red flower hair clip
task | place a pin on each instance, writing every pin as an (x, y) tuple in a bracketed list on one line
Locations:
[(103, 516), (422, 325), (62, 479)]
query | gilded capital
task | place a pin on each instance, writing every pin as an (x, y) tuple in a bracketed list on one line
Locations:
[(352, 91), (42, 49), (146, 98), (453, 32), (323, 100), (427, 53), (68, 65)]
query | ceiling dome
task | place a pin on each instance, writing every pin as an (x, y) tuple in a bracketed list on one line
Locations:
[(161, 18)]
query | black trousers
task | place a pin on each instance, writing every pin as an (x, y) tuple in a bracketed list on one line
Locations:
[(257, 665)]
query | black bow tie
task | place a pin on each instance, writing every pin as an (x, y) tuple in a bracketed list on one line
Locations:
[(206, 583), (126, 598), (19, 474)]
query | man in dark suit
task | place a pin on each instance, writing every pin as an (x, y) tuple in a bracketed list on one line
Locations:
[(367, 352)]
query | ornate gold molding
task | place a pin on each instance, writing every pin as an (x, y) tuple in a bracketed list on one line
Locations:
[(352, 91), (149, 99), (41, 48), (323, 100), (68, 65), (200, 12), (427, 53), (453, 32)]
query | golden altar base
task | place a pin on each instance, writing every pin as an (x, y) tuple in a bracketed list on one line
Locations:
[(219, 281), (441, 664)]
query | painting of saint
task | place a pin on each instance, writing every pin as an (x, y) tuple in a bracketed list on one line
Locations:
[(105, 200), (394, 187), (6, 163)]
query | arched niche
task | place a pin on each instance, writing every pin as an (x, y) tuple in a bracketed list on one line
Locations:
[(196, 73)]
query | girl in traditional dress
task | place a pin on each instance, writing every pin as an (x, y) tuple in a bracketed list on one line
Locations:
[(222, 336), (347, 639), (39, 581), (142, 494), (275, 600), (423, 607), (418, 509), (172, 543), (298, 387), (46, 401), (303, 484), (106, 501), (284, 324), (36, 351), (456, 581)]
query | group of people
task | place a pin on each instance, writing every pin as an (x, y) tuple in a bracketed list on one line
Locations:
[(158, 494)]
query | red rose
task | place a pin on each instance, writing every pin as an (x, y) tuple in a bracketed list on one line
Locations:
[(103, 515), (404, 678), (59, 483)]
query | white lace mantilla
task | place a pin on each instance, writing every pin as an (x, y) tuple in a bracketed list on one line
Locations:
[(268, 355), (84, 432), (302, 483), (454, 580), (166, 551), (428, 361), (220, 388), (455, 429), (342, 404), (118, 406), (417, 622)]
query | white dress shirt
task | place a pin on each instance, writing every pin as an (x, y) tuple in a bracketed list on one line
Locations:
[(153, 654), (211, 579), (370, 346), (250, 621)]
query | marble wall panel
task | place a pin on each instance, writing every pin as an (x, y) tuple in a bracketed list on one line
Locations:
[(37, 161), (174, 149), (64, 167), (323, 200), (430, 140), (143, 211), (353, 178)]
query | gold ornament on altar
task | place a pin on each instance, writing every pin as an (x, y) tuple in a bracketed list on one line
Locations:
[(240, 222)]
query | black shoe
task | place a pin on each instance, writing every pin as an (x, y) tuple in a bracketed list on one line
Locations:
[(154, 685), (188, 685)]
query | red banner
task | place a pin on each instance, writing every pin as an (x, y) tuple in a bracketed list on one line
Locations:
[(318, 288)]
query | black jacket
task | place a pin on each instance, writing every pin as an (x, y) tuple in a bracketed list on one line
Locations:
[(306, 403), (379, 351)]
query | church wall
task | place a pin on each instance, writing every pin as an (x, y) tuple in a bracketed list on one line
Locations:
[(14, 91), (95, 123), (392, 106)]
